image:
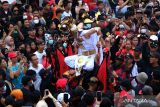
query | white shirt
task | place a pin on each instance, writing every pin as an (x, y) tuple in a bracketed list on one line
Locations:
[(65, 14), (38, 78), (122, 10), (40, 56)]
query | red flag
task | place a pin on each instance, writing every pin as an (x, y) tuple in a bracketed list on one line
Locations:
[(62, 64), (102, 74)]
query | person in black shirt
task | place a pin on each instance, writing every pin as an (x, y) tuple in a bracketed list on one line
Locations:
[(31, 37), (57, 20)]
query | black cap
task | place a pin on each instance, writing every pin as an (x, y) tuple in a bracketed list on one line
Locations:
[(154, 44)]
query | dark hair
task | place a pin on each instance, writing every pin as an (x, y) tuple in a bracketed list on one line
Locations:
[(36, 95), (4, 2), (88, 99), (30, 73), (59, 11), (99, 2), (25, 80), (30, 58), (106, 102), (10, 101)]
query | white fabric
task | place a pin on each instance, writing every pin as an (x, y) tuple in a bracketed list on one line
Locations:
[(60, 97), (122, 10), (41, 103), (134, 72), (89, 65), (38, 78), (65, 14), (40, 56)]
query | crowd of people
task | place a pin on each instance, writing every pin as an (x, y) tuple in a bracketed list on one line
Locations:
[(80, 53)]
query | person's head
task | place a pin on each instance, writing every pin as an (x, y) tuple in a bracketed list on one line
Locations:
[(46, 6), (135, 41), (154, 58), (13, 57), (130, 34), (67, 5), (129, 59), (147, 90), (26, 23), (10, 26), (106, 102), (27, 82), (120, 2), (93, 83), (101, 21), (88, 99), (28, 48), (100, 5), (40, 10), (5, 5), (43, 73), (142, 78), (33, 46), (9, 100), (59, 12), (32, 33), (128, 45), (31, 74), (17, 94), (15, 10), (28, 8), (119, 60), (35, 13), (40, 31), (34, 60), (2, 87), (80, 2), (153, 43), (3, 63), (126, 84), (61, 84), (137, 51)]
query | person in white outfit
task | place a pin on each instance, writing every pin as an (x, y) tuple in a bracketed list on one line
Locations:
[(88, 50)]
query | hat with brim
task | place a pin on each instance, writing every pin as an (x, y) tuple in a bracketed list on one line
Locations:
[(142, 77), (80, 61)]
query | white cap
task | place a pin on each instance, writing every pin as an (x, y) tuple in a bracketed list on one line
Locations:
[(41, 103), (153, 38), (60, 97)]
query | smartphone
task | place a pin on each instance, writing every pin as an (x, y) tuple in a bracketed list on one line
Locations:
[(99, 95), (65, 98), (46, 92)]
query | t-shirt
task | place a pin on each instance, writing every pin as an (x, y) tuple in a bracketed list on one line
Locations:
[(38, 78), (65, 14), (40, 56), (17, 80)]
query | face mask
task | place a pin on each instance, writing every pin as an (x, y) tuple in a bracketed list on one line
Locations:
[(87, 26), (24, 17), (80, 3), (121, 26), (64, 44), (50, 42), (36, 21)]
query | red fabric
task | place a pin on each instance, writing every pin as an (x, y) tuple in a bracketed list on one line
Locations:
[(124, 52), (102, 74), (12, 54), (121, 73), (62, 64), (124, 33), (61, 83)]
